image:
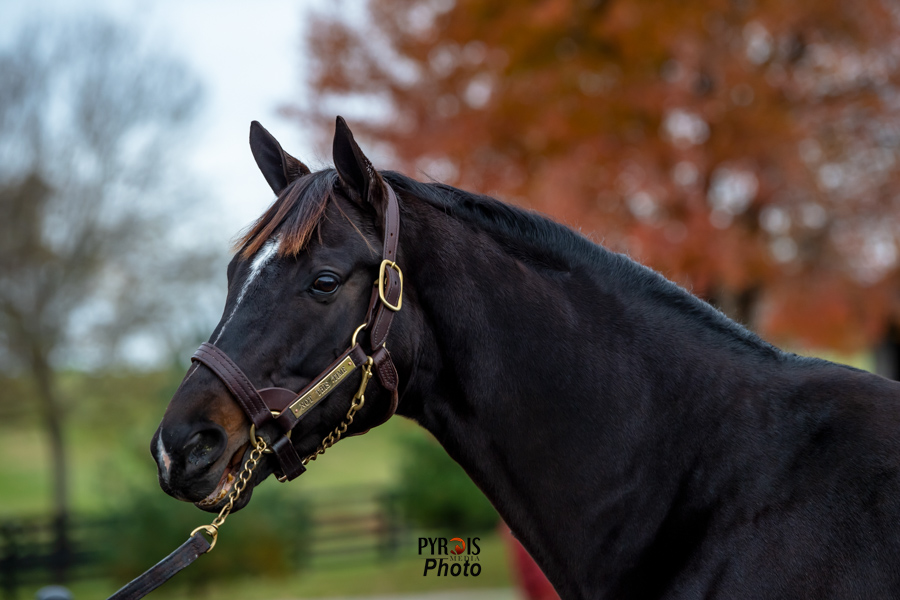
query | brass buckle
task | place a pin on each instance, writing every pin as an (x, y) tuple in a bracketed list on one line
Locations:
[(275, 415), (382, 271)]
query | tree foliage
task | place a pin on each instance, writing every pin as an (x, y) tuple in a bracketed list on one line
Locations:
[(746, 148)]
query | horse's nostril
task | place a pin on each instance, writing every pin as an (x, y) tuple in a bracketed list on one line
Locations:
[(195, 439), (203, 448)]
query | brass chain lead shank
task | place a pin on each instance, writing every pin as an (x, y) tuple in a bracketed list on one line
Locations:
[(212, 530), (359, 399)]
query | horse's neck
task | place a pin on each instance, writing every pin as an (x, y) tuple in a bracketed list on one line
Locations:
[(572, 401)]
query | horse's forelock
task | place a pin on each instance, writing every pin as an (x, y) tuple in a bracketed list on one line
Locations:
[(295, 215)]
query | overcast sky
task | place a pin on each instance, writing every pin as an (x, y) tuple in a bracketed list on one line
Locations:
[(248, 55)]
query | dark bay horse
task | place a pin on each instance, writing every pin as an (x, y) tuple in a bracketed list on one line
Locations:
[(638, 442)]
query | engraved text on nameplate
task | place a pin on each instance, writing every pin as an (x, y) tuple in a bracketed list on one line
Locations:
[(325, 387)]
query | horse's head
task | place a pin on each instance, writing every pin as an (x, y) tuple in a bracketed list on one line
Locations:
[(299, 287)]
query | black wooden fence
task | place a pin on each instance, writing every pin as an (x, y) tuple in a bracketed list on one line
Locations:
[(350, 523), (49, 550), (346, 524)]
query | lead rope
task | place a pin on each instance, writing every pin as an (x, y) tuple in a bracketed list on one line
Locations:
[(196, 545)]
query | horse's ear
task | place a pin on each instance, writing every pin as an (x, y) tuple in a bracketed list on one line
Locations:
[(354, 168), (277, 166)]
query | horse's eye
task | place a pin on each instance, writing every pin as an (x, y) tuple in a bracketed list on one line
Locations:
[(326, 283)]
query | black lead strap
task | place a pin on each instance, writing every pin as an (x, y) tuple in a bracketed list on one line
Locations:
[(165, 569)]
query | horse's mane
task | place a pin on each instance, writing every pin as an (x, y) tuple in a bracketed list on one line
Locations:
[(542, 241), (300, 208)]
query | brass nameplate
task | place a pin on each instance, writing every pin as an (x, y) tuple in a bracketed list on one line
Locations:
[(325, 387)]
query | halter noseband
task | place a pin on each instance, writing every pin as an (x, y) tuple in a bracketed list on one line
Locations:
[(274, 412)]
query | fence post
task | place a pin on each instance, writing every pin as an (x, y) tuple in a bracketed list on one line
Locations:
[(61, 556), (390, 525), (9, 558)]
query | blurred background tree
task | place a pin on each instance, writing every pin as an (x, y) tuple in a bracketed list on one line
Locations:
[(745, 148), (89, 126)]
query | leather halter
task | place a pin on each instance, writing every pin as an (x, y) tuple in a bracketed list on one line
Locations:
[(274, 412)]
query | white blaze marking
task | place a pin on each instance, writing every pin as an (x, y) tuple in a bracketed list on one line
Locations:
[(164, 457), (261, 259)]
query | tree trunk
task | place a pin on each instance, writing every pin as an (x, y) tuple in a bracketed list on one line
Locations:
[(45, 382), (887, 355), (738, 305)]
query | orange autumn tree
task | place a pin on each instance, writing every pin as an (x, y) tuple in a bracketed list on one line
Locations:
[(745, 148)]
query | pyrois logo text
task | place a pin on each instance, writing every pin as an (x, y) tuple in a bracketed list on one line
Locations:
[(453, 557)]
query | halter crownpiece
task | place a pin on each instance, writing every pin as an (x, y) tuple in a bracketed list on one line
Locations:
[(274, 412)]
